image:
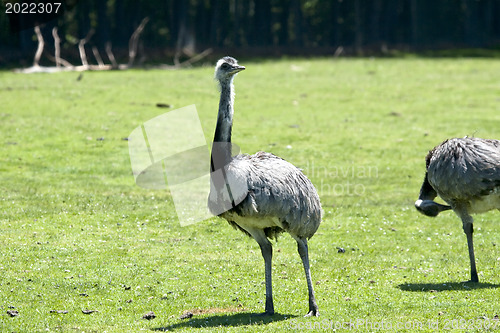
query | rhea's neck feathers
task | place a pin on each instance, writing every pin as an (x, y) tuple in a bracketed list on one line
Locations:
[(226, 111), (221, 147)]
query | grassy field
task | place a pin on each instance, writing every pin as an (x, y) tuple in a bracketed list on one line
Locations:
[(77, 234)]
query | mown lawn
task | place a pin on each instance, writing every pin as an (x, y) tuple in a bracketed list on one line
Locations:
[(77, 234)]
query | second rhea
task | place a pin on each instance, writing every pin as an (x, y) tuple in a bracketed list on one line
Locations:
[(464, 172)]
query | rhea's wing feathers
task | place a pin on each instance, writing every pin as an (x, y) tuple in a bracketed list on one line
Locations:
[(276, 188), (465, 168)]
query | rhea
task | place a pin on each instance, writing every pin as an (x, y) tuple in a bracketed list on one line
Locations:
[(464, 172), (262, 195)]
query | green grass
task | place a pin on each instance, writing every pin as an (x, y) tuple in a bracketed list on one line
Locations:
[(76, 233)]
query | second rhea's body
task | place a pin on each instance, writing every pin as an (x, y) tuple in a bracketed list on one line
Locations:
[(464, 172), (261, 194)]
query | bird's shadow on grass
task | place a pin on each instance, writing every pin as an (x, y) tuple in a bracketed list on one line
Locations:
[(228, 320), (423, 287)]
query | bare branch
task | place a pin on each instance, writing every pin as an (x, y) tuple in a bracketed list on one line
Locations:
[(188, 62), (81, 47), (195, 58), (111, 57), (134, 39), (177, 63), (338, 51), (39, 50), (63, 62), (57, 47), (97, 56)]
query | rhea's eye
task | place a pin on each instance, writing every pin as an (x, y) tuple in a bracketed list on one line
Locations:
[(224, 66)]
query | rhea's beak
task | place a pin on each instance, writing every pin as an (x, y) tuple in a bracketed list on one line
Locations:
[(237, 69)]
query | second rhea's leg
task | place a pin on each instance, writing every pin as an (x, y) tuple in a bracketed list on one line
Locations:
[(469, 230), (303, 252)]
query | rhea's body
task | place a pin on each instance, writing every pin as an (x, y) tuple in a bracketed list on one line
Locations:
[(464, 172)]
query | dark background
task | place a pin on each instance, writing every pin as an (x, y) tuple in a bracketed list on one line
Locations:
[(259, 27)]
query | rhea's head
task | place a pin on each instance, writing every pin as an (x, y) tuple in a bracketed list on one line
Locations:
[(226, 69)]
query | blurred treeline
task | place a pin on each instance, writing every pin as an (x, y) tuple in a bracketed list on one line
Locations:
[(262, 27)]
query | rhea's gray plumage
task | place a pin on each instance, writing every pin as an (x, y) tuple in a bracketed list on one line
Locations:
[(261, 194), (466, 174)]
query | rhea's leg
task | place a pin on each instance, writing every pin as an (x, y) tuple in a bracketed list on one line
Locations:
[(303, 252), (267, 252), (469, 230)]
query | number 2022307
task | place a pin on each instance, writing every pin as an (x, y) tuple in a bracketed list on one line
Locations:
[(32, 8)]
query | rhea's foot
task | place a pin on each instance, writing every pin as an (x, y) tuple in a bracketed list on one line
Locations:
[(473, 279), (314, 312), (264, 314)]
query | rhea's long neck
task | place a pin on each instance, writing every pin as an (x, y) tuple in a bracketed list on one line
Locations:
[(221, 148)]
